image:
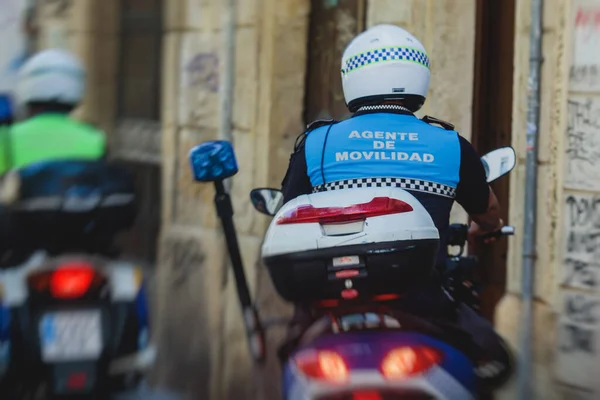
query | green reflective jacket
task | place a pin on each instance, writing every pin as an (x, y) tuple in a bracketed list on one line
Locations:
[(47, 137)]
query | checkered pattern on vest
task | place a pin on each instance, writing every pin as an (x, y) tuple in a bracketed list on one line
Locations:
[(403, 183)]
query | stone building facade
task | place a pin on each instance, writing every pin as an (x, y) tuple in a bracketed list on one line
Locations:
[(157, 77)]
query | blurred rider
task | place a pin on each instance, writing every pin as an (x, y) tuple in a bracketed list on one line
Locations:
[(51, 84)]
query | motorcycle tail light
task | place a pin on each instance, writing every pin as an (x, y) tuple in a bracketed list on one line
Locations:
[(323, 365), (330, 215), (77, 381), (406, 361), (386, 297), (68, 281)]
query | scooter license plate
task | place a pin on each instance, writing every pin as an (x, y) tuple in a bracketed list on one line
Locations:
[(346, 261), (71, 336)]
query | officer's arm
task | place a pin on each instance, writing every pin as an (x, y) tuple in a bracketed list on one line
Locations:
[(10, 181), (490, 220), (473, 192), (296, 182), (3, 158), (104, 144)]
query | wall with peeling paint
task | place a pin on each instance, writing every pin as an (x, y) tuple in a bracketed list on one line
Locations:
[(566, 331), (578, 297)]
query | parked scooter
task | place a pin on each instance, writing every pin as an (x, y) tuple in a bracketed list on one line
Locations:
[(349, 253), (74, 320)]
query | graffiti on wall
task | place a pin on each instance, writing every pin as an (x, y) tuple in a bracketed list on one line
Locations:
[(578, 332), (582, 241), (13, 31), (578, 341), (183, 257), (585, 66), (583, 143), (203, 71), (200, 89)]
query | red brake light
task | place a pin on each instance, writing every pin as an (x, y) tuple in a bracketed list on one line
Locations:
[(347, 273), (329, 303), (349, 294), (356, 212), (386, 297), (71, 281), (77, 380), (405, 361), (323, 364)]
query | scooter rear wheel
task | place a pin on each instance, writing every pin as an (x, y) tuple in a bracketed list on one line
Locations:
[(492, 375)]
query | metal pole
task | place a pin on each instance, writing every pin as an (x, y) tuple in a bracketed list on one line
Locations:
[(228, 81), (254, 329), (529, 238)]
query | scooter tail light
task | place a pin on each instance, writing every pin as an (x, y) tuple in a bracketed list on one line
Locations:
[(357, 212), (406, 361), (366, 396), (386, 297), (322, 365), (68, 281)]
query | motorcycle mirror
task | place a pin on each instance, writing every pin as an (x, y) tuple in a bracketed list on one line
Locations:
[(267, 201), (213, 161), (499, 162)]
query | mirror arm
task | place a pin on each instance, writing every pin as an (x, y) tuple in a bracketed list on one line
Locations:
[(254, 329)]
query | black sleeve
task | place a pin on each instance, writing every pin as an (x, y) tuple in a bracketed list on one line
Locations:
[(296, 181), (472, 192)]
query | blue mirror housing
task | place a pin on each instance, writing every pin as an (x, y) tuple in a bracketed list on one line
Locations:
[(213, 161)]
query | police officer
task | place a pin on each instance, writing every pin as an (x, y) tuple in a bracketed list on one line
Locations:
[(385, 79), (50, 86)]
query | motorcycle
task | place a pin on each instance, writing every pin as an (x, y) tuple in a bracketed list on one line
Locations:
[(74, 321), (348, 253)]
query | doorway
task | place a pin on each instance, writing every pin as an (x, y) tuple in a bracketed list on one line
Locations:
[(492, 124), (333, 24), (136, 141)]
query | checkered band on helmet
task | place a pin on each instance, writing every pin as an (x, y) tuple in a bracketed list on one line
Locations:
[(375, 56)]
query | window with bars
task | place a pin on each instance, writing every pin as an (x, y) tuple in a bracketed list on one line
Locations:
[(333, 24)]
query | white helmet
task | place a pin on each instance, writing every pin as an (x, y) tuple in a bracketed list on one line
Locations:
[(385, 62), (52, 75)]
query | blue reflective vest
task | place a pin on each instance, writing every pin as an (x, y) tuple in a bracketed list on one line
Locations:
[(384, 149)]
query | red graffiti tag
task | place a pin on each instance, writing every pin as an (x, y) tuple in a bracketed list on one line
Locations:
[(588, 18), (587, 21)]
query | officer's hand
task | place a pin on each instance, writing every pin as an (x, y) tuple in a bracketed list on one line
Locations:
[(475, 232)]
